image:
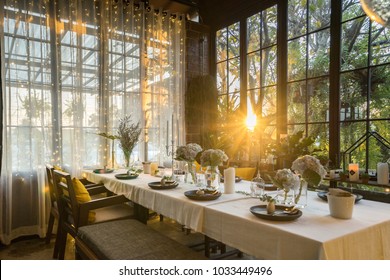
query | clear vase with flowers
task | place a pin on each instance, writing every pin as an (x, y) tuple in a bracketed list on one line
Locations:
[(212, 158), (311, 173), (285, 180), (188, 154)]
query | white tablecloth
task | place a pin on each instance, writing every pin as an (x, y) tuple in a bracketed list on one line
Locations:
[(171, 203), (315, 235)]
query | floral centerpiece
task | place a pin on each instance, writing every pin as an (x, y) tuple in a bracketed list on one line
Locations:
[(212, 158), (286, 180), (127, 134), (311, 172), (188, 154)]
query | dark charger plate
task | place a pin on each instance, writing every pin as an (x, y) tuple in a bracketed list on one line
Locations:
[(125, 176), (260, 211), (103, 171), (323, 196), (166, 186), (193, 195)]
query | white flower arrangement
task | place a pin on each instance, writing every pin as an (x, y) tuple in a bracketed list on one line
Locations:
[(310, 169), (213, 157), (286, 179), (188, 152)]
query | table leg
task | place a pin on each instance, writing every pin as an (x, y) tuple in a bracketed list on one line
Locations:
[(141, 213)]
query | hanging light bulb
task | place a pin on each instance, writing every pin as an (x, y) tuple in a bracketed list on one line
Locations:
[(377, 10)]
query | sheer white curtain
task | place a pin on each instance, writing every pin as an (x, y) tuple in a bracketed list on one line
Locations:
[(71, 69)]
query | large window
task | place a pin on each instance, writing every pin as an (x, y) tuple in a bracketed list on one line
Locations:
[(364, 84), (308, 69), (325, 66)]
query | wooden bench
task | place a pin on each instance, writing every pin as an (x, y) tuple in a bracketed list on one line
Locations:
[(129, 240)]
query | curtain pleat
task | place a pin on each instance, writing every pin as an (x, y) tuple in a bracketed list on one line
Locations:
[(72, 69)]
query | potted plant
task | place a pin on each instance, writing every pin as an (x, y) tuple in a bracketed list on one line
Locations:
[(343, 175), (364, 177)]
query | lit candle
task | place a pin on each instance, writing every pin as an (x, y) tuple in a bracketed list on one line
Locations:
[(383, 173), (353, 170)]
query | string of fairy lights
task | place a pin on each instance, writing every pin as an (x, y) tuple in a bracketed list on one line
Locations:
[(115, 58)]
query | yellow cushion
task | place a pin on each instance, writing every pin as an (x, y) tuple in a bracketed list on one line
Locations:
[(58, 168), (246, 173), (82, 195)]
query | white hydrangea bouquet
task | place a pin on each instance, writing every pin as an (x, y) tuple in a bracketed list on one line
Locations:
[(213, 157), (310, 170), (188, 154), (286, 181)]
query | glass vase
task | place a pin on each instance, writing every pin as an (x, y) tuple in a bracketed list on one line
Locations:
[(190, 176), (285, 197), (301, 195), (212, 177)]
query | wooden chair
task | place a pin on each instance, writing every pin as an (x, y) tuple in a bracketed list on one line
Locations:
[(54, 213), (74, 214)]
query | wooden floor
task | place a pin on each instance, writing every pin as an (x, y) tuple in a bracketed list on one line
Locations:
[(34, 248)]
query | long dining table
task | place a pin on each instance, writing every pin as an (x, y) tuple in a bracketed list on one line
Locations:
[(314, 235)]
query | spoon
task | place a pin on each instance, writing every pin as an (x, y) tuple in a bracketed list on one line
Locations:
[(293, 211)]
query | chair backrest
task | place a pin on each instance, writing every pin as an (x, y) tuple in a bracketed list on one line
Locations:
[(67, 202), (52, 191), (246, 173)]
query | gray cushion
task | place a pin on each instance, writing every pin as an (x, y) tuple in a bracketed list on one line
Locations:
[(130, 239)]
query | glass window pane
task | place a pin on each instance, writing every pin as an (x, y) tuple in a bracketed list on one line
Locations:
[(221, 44), (234, 75), (380, 45), (380, 94), (351, 9), (254, 70), (297, 14), (379, 153), (319, 49), (350, 132), (222, 85), (319, 14), (355, 44), (234, 101), (292, 129), (353, 95), (269, 66), (269, 27), (253, 31), (269, 104), (318, 100), (234, 40), (320, 134), (297, 59), (222, 105), (296, 100)]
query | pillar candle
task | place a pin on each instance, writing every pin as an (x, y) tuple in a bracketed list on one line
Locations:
[(353, 170), (229, 175), (383, 173)]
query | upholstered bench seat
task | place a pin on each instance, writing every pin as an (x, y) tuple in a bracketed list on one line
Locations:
[(127, 240)]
